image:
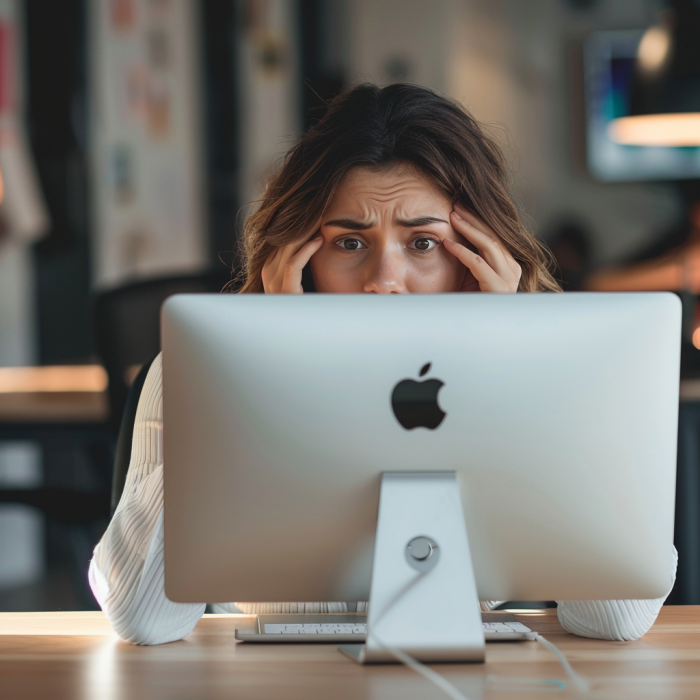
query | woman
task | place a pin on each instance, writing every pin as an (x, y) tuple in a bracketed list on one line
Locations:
[(395, 190)]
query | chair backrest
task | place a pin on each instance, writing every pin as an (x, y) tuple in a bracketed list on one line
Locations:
[(122, 455), (127, 326)]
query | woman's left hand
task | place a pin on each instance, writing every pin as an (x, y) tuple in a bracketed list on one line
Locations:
[(492, 268)]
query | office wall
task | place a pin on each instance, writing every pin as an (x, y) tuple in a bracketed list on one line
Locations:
[(513, 64), (400, 40)]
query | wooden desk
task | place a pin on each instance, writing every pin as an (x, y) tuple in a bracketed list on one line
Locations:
[(76, 656), (54, 407), (58, 394)]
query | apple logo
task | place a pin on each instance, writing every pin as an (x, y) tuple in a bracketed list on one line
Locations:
[(415, 403)]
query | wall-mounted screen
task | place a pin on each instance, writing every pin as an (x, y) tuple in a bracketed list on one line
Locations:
[(609, 70)]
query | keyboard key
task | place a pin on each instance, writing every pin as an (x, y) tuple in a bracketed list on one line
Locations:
[(519, 627)]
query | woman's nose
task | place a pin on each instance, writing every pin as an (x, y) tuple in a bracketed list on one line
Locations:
[(386, 274)]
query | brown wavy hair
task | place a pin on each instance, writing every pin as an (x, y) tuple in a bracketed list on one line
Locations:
[(366, 125)]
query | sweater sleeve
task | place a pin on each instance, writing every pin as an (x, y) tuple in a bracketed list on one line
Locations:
[(618, 620), (127, 572)]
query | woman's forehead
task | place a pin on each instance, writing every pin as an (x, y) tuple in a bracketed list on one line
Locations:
[(400, 186)]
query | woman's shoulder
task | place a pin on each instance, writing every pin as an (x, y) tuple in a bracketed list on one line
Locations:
[(155, 373), (151, 399)]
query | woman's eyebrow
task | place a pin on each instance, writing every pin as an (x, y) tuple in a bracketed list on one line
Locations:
[(420, 221), (349, 224)]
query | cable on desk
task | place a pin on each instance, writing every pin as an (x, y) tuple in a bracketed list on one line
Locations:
[(432, 676), (435, 678), (576, 678), (522, 684)]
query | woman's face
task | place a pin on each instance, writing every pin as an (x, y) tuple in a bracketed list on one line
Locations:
[(383, 233)]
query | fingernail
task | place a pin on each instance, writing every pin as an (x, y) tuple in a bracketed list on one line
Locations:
[(456, 214)]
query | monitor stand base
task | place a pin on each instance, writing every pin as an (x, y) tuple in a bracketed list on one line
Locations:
[(423, 597)]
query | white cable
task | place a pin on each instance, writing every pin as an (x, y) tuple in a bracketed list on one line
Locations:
[(443, 684), (578, 680), (440, 681), (425, 671)]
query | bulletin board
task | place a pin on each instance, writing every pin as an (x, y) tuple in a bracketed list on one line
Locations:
[(146, 141)]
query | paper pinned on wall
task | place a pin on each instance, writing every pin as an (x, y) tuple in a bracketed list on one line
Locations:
[(23, 211), (149, 216)]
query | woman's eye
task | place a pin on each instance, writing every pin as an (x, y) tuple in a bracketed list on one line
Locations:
[(424, 244), (350, 244)]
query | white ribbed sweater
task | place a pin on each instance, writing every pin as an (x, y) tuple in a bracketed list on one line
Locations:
[(127, 577)]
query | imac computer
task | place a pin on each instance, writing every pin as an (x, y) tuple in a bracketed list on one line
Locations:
[(420, 452)]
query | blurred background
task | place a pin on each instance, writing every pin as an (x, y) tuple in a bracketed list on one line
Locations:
[(134, 132)]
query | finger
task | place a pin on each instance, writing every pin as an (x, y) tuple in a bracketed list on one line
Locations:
[(489, 280), (489, 247), (291, 249), (291, 282), (285, 253), (273, 269), (479, 224), (272, 265), (473, 219)]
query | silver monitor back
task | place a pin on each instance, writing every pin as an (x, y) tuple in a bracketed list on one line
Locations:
[(561, 423)]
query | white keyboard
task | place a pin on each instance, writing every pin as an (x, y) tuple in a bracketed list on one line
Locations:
[(493, 631), (506, 631), (359, 629)]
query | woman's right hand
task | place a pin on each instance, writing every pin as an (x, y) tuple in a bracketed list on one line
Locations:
[(281, 273)]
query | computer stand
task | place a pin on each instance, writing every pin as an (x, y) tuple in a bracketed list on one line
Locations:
[(423, 597)]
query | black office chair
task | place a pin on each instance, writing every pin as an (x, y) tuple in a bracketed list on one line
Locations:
[(127, 327)]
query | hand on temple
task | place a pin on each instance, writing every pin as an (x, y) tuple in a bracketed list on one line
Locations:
[(281, 273), (492, 268)]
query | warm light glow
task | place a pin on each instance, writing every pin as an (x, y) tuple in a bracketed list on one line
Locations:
[(654, 49), (657, 130), (69, 378), (696, 337)]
